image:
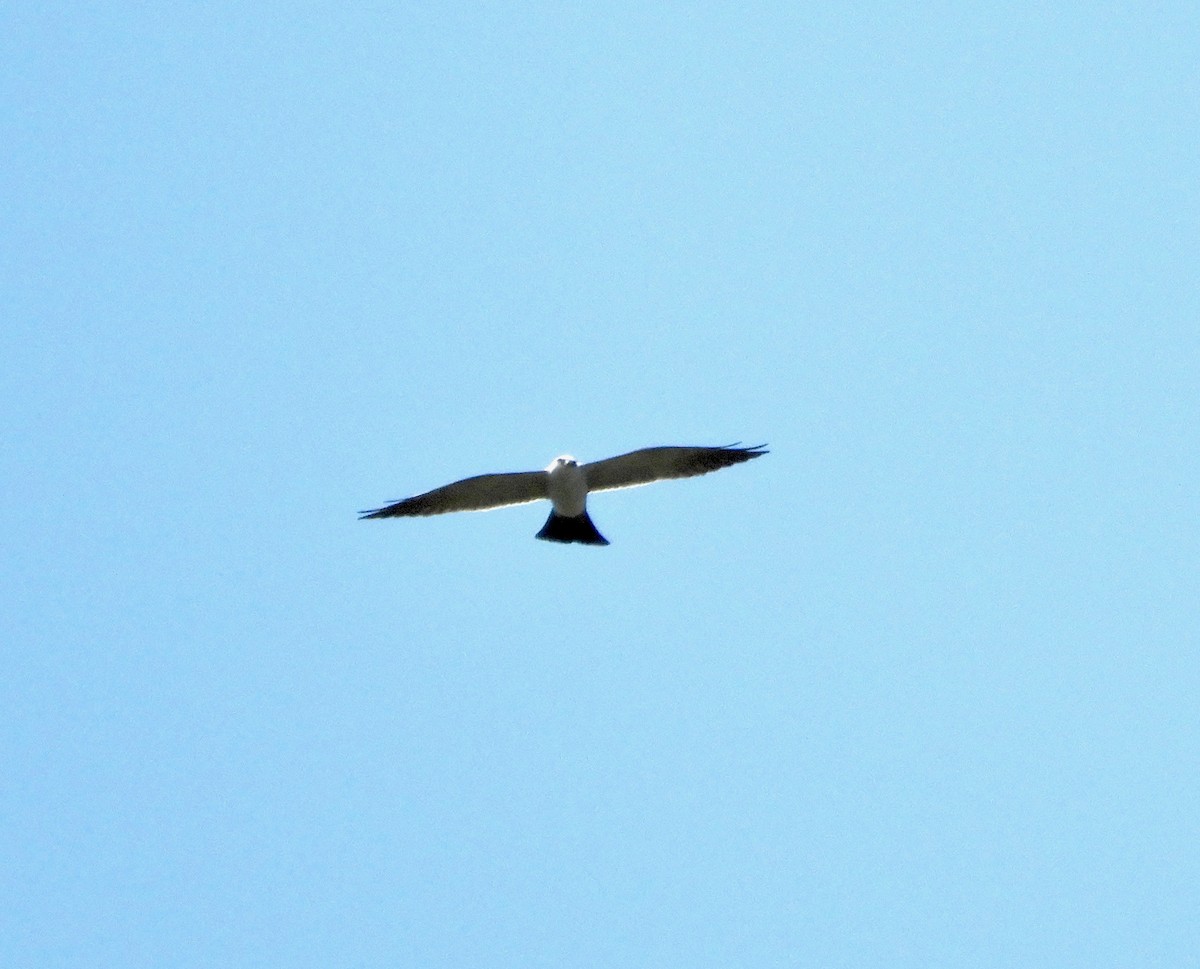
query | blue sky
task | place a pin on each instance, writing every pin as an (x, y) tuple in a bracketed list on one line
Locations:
[(918, 689)]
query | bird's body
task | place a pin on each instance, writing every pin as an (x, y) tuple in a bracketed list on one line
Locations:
[(567, 484), (567, 489)]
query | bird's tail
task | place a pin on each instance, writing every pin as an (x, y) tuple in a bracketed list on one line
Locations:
[(560, 528)]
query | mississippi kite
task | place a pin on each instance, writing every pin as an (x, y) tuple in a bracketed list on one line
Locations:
[(567, 484)]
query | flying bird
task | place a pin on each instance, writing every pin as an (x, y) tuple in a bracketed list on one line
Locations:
[(567, 484)]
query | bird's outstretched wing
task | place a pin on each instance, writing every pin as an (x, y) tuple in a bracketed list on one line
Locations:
[(659, 463), (480, 493)]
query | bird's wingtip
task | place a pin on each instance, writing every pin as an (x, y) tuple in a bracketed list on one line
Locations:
[(737, 446)]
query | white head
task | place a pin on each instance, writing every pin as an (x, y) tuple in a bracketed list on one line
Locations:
[(562, 461)]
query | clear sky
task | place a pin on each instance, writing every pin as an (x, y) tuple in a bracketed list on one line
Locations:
[(917, 689)]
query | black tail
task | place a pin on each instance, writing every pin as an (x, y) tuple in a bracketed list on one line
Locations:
[(560, 528)]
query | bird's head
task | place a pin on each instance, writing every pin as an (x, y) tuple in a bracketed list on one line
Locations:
[(562, 461)]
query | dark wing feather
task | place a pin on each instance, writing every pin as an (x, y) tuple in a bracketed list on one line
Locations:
[(480, 493), (660, 463)]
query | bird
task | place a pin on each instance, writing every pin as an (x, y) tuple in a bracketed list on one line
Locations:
[(567, 484)]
